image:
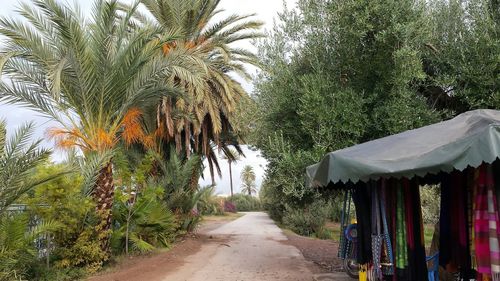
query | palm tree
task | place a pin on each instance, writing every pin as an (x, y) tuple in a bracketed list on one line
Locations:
[(95, 78), (206, 116), (248, 180), (18, 158), (231, 156)]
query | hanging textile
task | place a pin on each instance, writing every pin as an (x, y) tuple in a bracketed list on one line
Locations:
[(388, 257), (377, 239), (382, 250), (362, 202), (486, 225), (401, 236), (417, 262), (455, 222), (345, 245)]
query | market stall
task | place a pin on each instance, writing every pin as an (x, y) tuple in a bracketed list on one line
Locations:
[(385, 177)]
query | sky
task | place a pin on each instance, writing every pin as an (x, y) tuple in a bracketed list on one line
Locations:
[(265, 10)]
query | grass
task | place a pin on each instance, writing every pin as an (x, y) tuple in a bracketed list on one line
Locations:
[(428, 233), (334, 229)]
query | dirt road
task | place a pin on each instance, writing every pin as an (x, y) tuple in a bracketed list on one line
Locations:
[(253, 252), (250, 248)]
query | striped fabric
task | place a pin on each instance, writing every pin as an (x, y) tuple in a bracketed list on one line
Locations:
[(486, 226)]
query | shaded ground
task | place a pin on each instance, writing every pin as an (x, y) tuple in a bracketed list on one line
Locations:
[(322, 253)]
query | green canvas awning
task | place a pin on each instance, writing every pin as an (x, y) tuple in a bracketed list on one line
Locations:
[(469, 139)]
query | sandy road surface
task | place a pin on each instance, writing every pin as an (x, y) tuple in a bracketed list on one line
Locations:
[(253, 252)]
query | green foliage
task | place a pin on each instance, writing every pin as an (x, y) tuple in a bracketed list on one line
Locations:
[(246, 203), (75, 241), (307, 221), (142, 222), (18, 159), (178, 192), (431, 201), (325, 234), (283, 187), (82, 251), (337, 73), (209, 203), (42, 273), (466, 40), (17, 252)]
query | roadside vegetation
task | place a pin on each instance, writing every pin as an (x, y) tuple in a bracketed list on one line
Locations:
[(144, 94), (337, 73), (140, 101)]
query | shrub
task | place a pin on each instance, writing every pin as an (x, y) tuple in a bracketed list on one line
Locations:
[(246, 203), (209, 203), (307, 221), (76, 241), (42, 273), (229, 207), (17, 252), (142, 223), (324, 233)]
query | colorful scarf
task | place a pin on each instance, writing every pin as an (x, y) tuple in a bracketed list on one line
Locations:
[(486, 225), (401, 246), (388, 269), (377, 237), (454, 250)]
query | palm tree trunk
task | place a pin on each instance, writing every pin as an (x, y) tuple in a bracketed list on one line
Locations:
[(231, 179), (103, 194)]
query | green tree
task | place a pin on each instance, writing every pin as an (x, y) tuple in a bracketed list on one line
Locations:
[(207, 115), (464, 61), (94, 77), (248, 180), (337, 73)]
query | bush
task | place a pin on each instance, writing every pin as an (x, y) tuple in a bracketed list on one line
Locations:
[(42, 273), (324, 233), (17, 252), (210, 203), (143, 225), (229, 207), (307, 221), (246, 203), (76, 240)]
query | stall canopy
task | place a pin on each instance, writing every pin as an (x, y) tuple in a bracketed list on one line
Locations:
[(466, 140)]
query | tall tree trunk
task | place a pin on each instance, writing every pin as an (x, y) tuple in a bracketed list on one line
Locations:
[(103, 195), (231, 178)]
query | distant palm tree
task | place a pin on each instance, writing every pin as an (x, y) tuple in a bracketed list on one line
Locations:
[(231, 156), (248, 180), (94, 77)]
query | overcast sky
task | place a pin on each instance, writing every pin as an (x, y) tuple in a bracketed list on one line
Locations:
[(266, 11)]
